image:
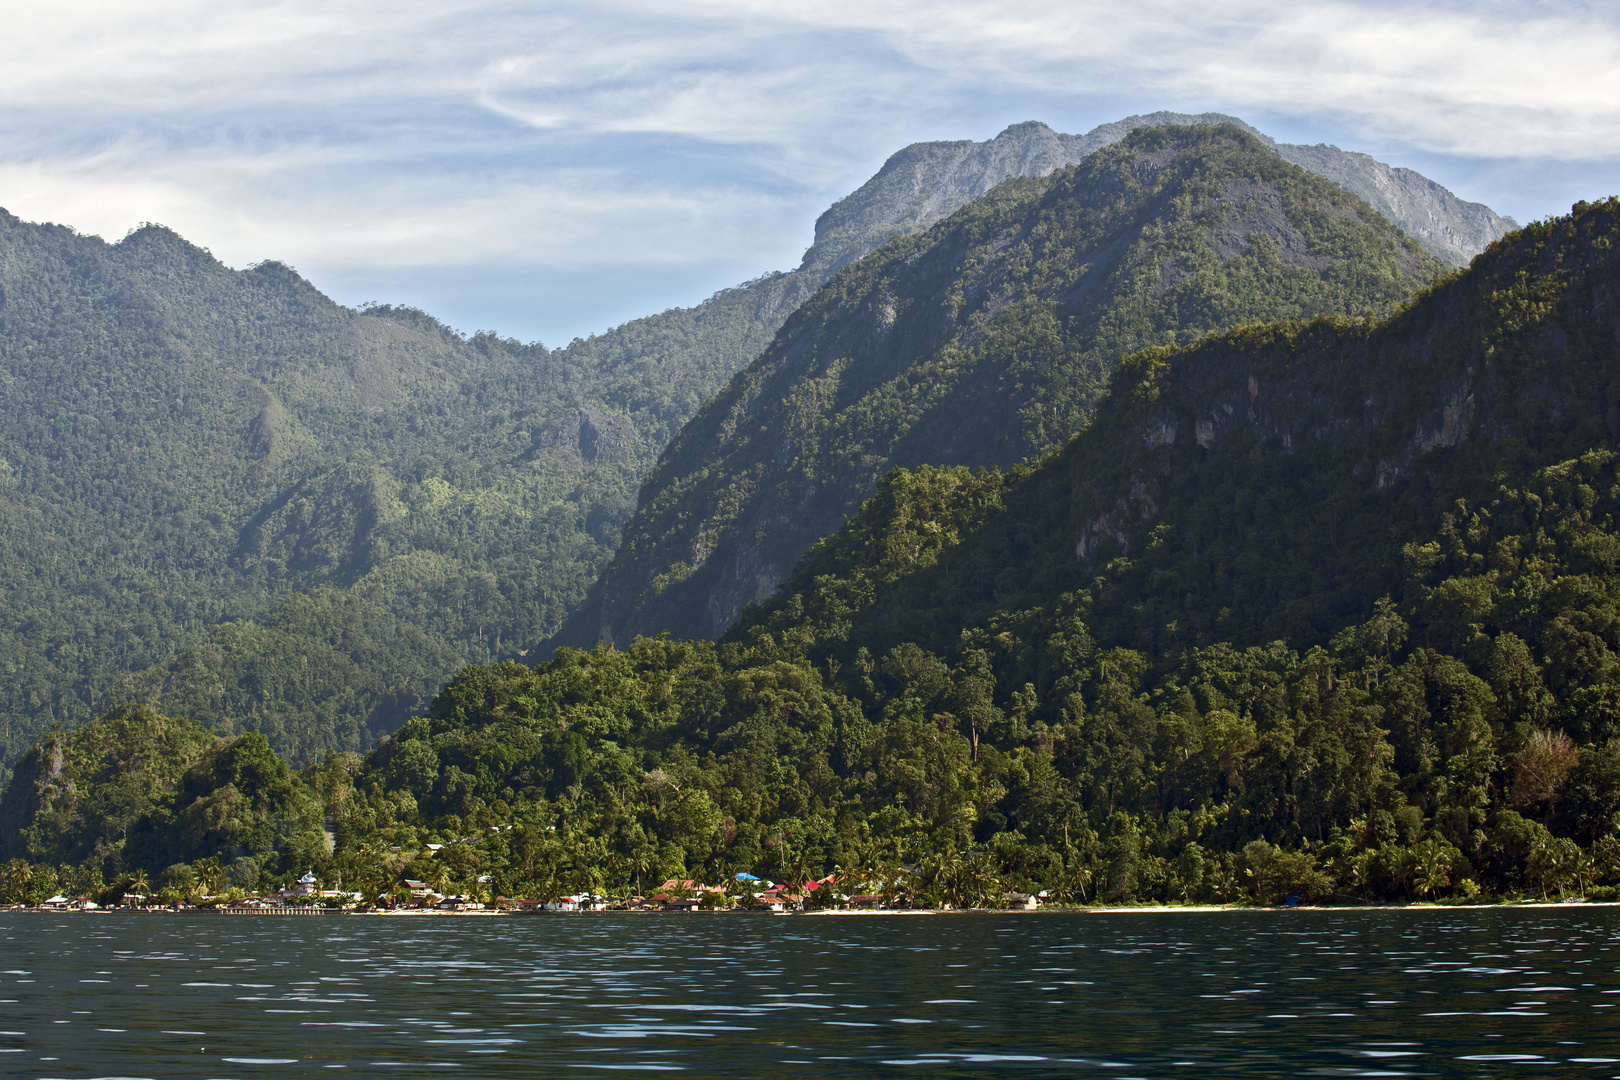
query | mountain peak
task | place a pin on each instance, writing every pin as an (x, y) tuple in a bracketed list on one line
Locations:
[(1025, 129), (927, 181)]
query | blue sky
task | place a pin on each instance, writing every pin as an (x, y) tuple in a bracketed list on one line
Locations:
[(547, 170)]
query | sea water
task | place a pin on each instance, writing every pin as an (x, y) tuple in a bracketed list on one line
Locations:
[(1433, 992)]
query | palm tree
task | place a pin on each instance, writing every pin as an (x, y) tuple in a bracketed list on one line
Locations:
[(985, 887), (16, 878), (209, 873), (1433, 866), (1585, 869), (1079, 877), (798, 869), (139, 885), (1553, 860), (642, 861)]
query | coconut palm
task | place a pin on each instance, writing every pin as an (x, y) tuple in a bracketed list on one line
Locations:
[(139, 885), (1433, 866), (210, 873)]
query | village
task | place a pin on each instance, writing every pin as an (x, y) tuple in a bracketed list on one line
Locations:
[(742, 893)]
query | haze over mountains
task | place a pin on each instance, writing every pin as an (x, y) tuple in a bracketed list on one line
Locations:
[(232, 498)]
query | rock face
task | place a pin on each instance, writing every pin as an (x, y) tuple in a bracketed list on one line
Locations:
[(984, 341), (926, 182), (1453, 230)]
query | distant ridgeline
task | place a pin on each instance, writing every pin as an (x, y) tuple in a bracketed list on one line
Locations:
[(227, 496), (985, 340), (1068, 676)]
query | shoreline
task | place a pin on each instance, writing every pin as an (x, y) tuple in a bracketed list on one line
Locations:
[(1146, 909)]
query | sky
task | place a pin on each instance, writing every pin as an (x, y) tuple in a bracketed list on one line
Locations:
[(547, 170)]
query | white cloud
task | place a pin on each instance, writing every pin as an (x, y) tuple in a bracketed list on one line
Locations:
[(416, 133), (558, 218)]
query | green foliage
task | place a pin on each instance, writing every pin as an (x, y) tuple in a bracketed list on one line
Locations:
[(226, 496), (984, 341), (77, 797), (1063, 677), (1275, 482), (138, 791)]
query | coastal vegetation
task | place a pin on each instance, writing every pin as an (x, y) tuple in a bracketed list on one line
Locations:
[(1326, 610)]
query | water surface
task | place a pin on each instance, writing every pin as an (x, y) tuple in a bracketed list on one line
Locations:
[(1481, 992)]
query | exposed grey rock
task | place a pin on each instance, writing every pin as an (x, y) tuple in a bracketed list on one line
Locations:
[(1452, 230), (927, 182)]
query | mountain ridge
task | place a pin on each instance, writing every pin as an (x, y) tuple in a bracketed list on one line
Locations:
[(982, 341), (1368, 426), (239, 436), (989, 681)]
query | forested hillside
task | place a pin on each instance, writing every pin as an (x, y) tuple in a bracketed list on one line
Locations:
[(365, 500), (230, 498), (1325, 609), (984, 341)]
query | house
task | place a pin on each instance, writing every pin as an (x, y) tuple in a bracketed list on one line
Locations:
[(563, 903), (519, 903), (420, 890), (675, 888), (459, 903), (635, 903), (868, 901), (57, 903), (787, 896), (1018, 901), (683, 904)]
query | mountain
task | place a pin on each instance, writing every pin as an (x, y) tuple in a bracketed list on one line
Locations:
[(1453, 229), (1064, 677), (222, 493), (984, 341), (230, 498), (927, 182), (1275, 482)]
